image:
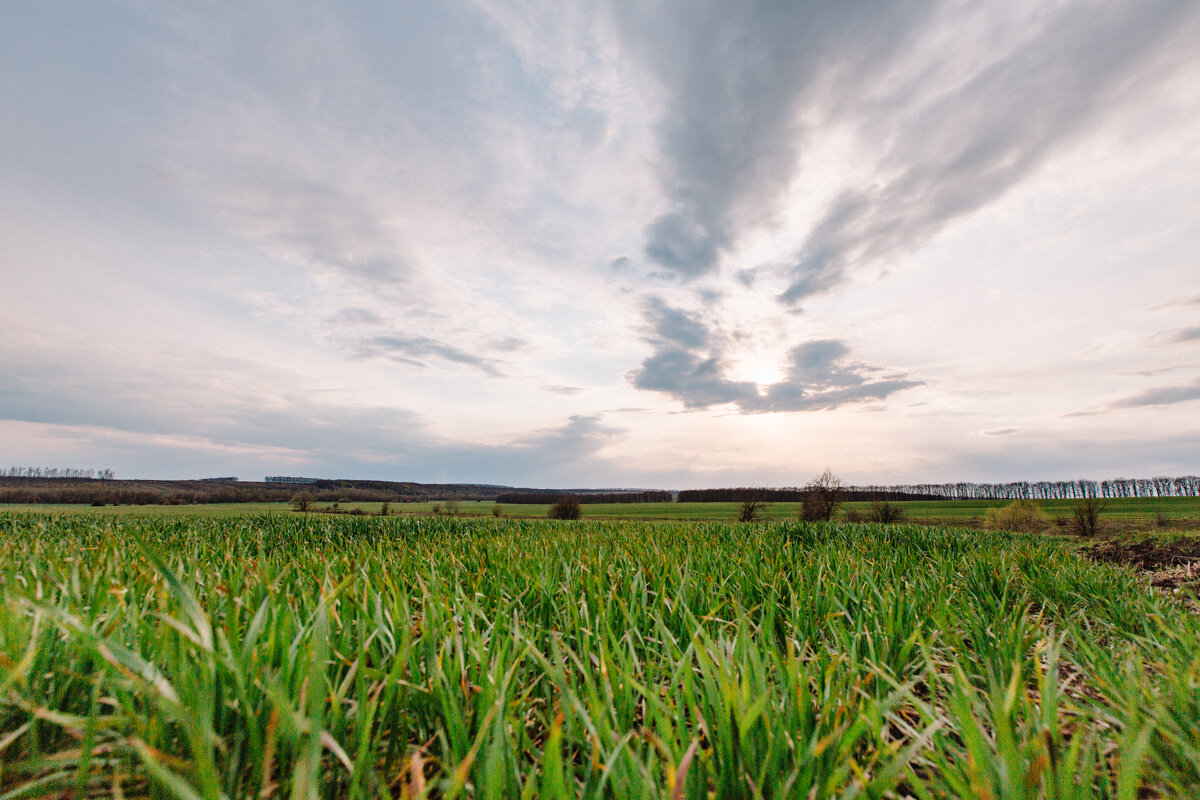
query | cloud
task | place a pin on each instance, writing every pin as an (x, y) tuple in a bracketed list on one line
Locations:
[(734, 79), (967, 145), (565, 391), (1001, 431), (689, 364), (676, 326), (1187, 301), (184, 416), (695, 381), (412, 349), (1184, 335), (354, 315), (1162, 396), (821, 376)]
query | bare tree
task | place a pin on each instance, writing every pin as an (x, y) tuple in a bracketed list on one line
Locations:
[(822, 496), (750, 510), (886, 512), (1087, 515)]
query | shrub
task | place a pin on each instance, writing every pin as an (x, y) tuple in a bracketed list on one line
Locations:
[(822, 496), (886, 513), (1019, 515), (565, 508), (302, 501), (497, 510), (853, 515), (436, 508), (1087, 515), (452, 508), (98, 502), (383, 510), (750, 510)]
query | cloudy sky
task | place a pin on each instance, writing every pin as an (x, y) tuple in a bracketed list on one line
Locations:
[(612, 243)]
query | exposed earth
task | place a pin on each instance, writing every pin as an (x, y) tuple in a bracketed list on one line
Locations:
[(1172, 564)]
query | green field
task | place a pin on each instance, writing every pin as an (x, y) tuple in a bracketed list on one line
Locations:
[(189, 656), (1137, 511)]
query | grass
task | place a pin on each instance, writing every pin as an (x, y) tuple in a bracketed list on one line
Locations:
[(319, 656), (1134, 510)]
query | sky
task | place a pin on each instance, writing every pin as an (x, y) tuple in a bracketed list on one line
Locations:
[(620, 243)]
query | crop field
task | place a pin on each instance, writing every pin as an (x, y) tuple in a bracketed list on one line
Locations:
[(313, 656), (1143, 511)]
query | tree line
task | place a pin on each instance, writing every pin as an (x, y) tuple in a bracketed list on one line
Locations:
[(795, 494), (53, 486), (58, 472), (587, 498), (1113, 488)]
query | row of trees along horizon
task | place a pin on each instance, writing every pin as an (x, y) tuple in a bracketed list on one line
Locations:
[(77, 486)]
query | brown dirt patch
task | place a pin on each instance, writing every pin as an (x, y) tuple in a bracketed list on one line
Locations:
[(1167, 564)]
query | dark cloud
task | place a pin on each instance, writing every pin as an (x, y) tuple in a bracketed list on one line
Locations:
[(1162, 396), (689, 365), (821, 376), (695, 381), (967, 146), (676, 326), (414, 349), (735, 77), (1185, 335)]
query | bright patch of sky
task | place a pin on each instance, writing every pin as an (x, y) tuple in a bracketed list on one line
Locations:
[(611, 243)]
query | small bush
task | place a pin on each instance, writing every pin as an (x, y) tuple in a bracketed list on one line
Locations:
[(497, 510), (853, 515), (1025, 516), (565, 508), (383, 510), (750, 510), (436, 508), (97, 502), (302, 501), (886, 513), (452, 508), (1087, 515)]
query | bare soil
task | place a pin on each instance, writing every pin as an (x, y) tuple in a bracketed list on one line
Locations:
[(1168, 563)]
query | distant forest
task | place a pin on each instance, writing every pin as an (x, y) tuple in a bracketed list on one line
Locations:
[(35, 485)]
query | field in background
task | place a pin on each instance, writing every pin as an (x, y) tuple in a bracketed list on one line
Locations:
[(320, 656), (1136, 511)]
